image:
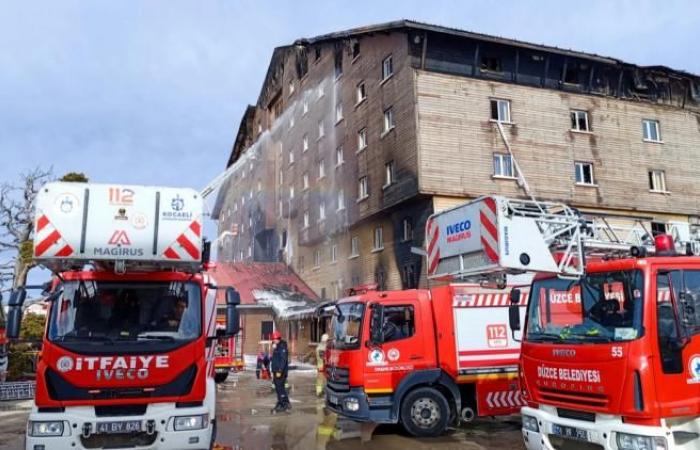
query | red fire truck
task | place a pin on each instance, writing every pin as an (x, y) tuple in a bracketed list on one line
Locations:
[(128, 350), (424, 358), (226, 357)]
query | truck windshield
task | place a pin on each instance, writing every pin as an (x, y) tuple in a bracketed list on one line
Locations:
[(600, 307), (346, 325), (107, 311)]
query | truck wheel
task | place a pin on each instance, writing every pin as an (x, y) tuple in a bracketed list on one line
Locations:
[(425, 412), (220, 377)]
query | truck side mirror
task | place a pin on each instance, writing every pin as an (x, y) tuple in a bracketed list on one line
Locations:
[(376, 328), (515, 296), (14, 313), (514, 318), (233, 324)]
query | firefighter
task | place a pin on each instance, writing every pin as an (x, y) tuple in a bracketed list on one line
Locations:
[(320, 353), (279, 366)]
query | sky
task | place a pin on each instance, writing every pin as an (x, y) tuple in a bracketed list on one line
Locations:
[(152, 92)]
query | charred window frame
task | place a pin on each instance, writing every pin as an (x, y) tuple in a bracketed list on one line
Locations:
[(338, 61), (490, 63), (407, 229), (355, 49)]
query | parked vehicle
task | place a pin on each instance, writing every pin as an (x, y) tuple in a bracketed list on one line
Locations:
[(128, 352)]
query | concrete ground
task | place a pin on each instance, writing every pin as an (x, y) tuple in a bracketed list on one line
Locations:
[(246, 423)]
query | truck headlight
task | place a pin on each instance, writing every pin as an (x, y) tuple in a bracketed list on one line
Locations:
[(530, 424), (186, 423), (45, 428), (351, 404), (627, 441)]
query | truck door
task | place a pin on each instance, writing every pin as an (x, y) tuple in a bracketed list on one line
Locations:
[(678, 340), (401, 350)]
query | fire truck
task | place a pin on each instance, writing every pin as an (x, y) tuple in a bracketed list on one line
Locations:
[(128, 350), (226, 357), (610, 356)]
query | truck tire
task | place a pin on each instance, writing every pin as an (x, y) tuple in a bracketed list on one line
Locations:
[(425, 412), (220, 377)]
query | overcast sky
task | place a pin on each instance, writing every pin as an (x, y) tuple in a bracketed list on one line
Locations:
[(151, 92)]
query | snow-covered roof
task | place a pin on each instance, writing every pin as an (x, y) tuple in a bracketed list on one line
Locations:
[(286, 305)]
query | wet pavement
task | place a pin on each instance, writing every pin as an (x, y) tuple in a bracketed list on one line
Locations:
[(245, 422)]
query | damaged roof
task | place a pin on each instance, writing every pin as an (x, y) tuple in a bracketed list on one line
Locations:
[(272, 285)]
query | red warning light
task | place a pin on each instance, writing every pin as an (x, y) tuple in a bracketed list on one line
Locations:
[(664, 245)]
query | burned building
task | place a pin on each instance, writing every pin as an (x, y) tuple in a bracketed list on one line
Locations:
[(358, 136)]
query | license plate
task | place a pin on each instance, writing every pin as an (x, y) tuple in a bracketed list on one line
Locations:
[(126, 426), (570, 432), (333, 399)]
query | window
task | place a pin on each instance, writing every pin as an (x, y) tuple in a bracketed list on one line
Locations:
[(355, 49), (503, 165), (305, 143), (321, 211), (250, 251), (321, 129), (320, 91), (354, 248), (388, 121), (360, 92), (235, 207), (317, 53), (242, 201), (291, 156), (651, 130), (259, 186), (305, 181), (305, 106), (584, 173), (266, 329), (363, 188), (500, 110), (341, 199), (398, 323), (334, 252), (389, 174), (657, 180), (291, 122), (658, 228), (338, 112), (407, 229), (291, 87), (281, 177), (409, 277), (387, 67), (306, 219), (380, 279), (280, 208), (378, 243), (317, 259), (339, 159), (362, 139), (338, 62), (291, 192), (301, 264), (579, 121), (490, 63), (321, 169)]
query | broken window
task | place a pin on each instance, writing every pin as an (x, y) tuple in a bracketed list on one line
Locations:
[(658, 228), (363, 188), (491, 63), (354, 248), (407, 229), (573, 72), (389, 174), (503, 165), (355, 49), (317, 53), (410, 279), (387, 67), (379, 278), (360, 92), (362, 139), (651, 130), (579, 120), (378, 243), (500, 110), (388, 124), (338, 61), (657, 180), (584, 173)]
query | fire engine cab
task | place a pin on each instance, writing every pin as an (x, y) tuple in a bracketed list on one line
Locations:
[(128, 350)]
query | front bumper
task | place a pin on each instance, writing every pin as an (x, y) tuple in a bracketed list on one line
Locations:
[(158, 415), (377, 409), (601, 433)]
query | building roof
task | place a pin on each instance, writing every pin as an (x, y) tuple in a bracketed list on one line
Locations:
[(272, 285)]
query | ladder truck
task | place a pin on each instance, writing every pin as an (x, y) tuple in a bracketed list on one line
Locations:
[(128, 351), (610, 345)]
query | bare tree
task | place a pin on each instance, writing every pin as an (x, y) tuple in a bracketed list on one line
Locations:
[(17, 225)]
